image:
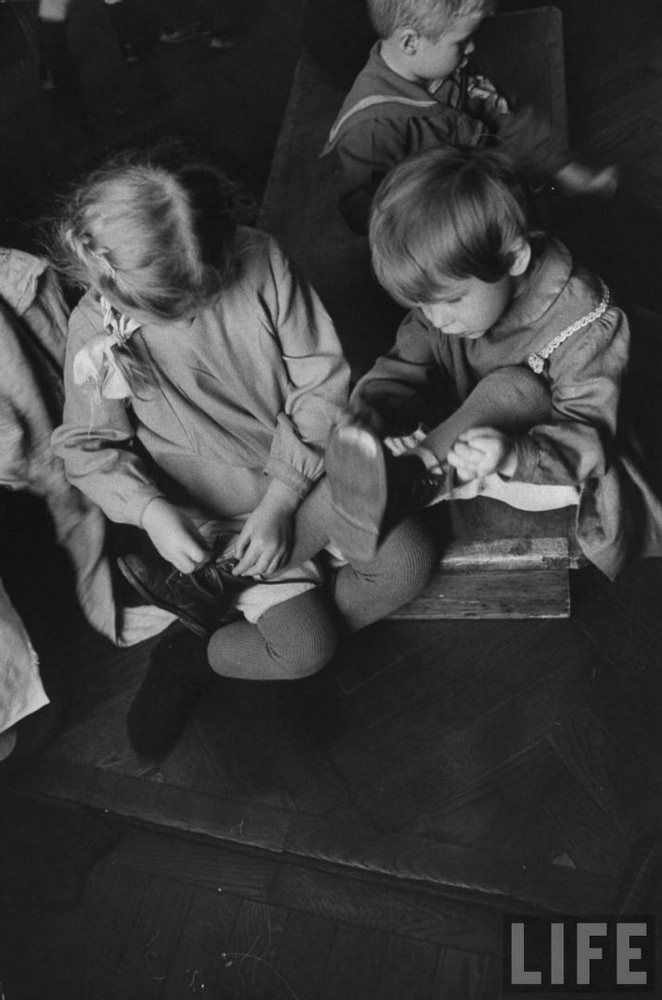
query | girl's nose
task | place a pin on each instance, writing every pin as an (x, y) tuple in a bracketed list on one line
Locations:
[(469, 47)]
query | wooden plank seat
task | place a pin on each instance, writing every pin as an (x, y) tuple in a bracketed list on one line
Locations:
[(497, 562)]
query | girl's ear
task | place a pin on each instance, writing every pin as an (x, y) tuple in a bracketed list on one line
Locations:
[(408, 39), (521, 250)]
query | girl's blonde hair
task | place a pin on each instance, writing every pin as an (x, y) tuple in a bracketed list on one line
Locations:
[(430, 18), (446, 214), (154, 237)]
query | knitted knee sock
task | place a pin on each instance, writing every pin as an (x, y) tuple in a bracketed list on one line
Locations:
[(289, 641), (510, 399), (402, 566)]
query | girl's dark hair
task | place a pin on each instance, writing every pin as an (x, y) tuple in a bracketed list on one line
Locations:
[(155, 236), (446, 214)]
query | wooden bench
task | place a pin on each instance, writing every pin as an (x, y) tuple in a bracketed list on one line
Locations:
[(497, 562)]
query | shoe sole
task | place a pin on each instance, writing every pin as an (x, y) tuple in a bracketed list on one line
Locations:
[(191, 624), (356, 471)]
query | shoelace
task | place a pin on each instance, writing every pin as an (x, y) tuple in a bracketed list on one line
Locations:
[(215, 578)]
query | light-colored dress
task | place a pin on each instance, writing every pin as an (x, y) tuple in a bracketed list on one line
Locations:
[(246, 391), (619, 516)]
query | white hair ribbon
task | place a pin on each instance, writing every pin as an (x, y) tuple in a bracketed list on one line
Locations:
[(95, 363)]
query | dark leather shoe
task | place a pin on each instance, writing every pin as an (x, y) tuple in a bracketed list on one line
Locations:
[(202, 600), (371, 490), (178, 673)]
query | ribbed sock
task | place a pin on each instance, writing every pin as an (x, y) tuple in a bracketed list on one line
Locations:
[(291, 640), (509, 399)]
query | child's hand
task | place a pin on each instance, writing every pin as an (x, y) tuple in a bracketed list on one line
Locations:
[(174, 535), (265, 540), (577, 178), (481, 451)]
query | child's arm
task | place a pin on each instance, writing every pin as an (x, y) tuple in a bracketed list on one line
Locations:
[(585, 377), (366, 154), (317, 378), (392, 397), (265, 541), (174, 535), (95, 442), (315, 373), (527, 135)]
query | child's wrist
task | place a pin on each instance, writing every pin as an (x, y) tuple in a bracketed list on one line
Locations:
[(153, 505), (282, 496)]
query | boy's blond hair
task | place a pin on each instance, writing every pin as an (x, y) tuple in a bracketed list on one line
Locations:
[(430, 18)]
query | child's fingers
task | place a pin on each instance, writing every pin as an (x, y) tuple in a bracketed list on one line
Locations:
[(464, 454), (476, 433), (197, 549), (276, 563), (463, 473), (258, 562), (184, 563), (241, 543), (243, 554), (186, 552), (464, 470), (247, 565)]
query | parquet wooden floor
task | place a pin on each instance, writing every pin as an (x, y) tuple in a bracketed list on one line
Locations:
[(478, 766)]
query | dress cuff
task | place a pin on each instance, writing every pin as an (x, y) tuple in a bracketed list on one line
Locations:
[(297, 481), (528, 461)]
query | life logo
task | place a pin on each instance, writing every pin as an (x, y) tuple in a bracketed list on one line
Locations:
[(575, 955)]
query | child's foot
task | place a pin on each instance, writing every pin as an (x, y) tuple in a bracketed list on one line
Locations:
[(371, 490), (178, 672)]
